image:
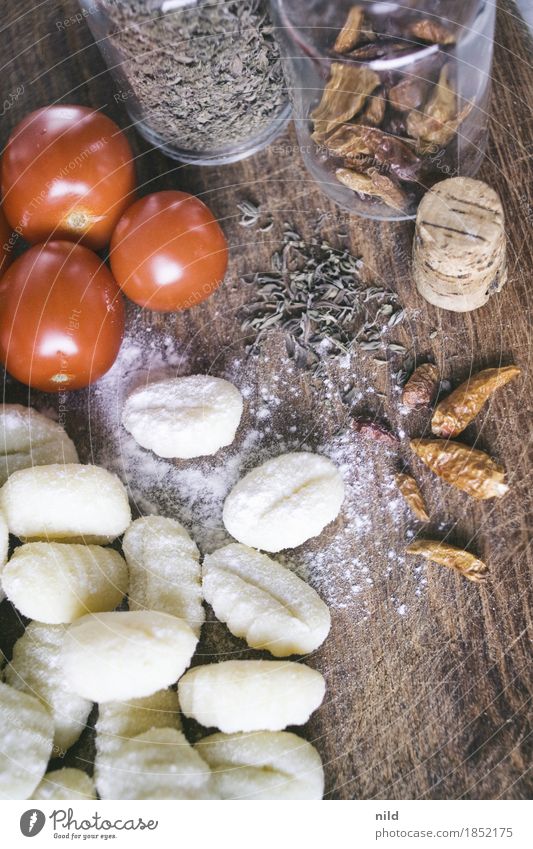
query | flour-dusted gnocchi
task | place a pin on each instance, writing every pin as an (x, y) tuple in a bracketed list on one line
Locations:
[(71, 502), (263, 765), (158, 764), (263, 602), (284, 502), (27, 438), (184, 416), (36, 669), (164, 569), (67, 783), (58, 582), (26, 731), (126, 655), (251, 695), (119, 722)]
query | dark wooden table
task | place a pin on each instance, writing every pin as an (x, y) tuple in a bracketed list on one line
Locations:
[(435, 703)]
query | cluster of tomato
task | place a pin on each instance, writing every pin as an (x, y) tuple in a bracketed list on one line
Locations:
[(68, 184)]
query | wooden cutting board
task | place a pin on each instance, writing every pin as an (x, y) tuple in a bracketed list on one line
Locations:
[(429, 677)]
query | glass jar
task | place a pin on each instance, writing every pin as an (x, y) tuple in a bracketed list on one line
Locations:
[(201, 79), (388, 98)]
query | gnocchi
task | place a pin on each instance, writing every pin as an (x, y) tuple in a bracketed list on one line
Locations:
[(71, 502), (57, 582), (184, 416), (27, 438), (263, 602), (263, 765), (26, 731), (66, 783), (126, 654), (119, 722), (157, 764), (164, 569), (36, 669), (251, 695), (284, 502)]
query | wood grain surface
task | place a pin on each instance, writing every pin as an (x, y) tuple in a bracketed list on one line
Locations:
[(436, 703)]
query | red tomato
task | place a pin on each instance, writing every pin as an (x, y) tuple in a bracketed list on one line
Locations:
[(67, 173), (6, 247), (168, 252), (61, 317)]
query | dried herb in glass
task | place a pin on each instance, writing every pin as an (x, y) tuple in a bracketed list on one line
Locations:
[(198, 76)]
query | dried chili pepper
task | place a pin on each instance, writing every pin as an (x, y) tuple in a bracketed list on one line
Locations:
[(421, 388), (411, 493), (431, 31), (373, 184), (376, 431), (389, 151), (462, 561), (353, 31), (343, 97), (468, 469), (455, 412)]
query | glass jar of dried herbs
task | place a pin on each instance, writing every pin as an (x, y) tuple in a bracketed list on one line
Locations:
[(388, 98), (202, 79)]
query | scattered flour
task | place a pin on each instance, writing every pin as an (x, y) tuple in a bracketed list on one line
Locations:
[(343, 563)]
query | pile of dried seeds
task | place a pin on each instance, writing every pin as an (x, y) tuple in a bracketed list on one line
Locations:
[(315, 296)]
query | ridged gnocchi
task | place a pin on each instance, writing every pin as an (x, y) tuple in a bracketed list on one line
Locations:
[(164, 569), (36, 668), (27, 438), (26, 732), (66, 783), (251, 695), (57, 582), (69, 502), (284, 502), (184, 416), (263, 602), (158, 764), (119, 722), (122, 655), (263, 765)]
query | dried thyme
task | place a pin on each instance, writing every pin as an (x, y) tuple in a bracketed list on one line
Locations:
[(315, 296)]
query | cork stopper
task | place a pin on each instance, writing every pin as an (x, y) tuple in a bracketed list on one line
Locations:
[(459, 256)]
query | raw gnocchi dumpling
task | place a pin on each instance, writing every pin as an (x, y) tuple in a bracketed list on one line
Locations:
[(164, 569), (251, 695), (110, 657), (184, 416), (263, 602), (72, 502), (67, 783), (119, 722), (36, 669), (57, 582), (263, 765), (27, 438), (284, 502), (26, 731), (158, 764)]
